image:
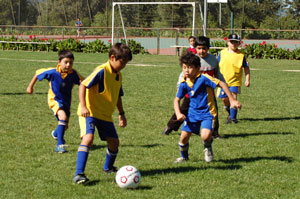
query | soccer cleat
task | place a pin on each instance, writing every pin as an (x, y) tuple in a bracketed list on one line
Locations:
[(166, 131), (60, 149), (80, 179), (228, 120), (216, 135), (55, 137), (180, 160), (234, 121), (208, 154), (111, 170)]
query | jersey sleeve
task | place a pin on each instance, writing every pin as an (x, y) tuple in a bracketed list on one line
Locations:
[(78, 78), (97, 77), (211, 81), (44, 73), (121, 93), (245, 62), (182, 90)]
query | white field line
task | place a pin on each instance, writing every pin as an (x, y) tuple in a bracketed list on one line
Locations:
[(291, 71), (130, 64), (54, 61)]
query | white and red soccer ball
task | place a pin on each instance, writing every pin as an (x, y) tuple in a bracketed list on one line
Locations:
[(128, 177)]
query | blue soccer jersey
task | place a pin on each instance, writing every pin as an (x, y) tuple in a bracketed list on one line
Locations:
[(202, 104), (60, 86)]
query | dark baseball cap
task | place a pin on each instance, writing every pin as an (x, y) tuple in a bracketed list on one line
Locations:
[(234, 37)]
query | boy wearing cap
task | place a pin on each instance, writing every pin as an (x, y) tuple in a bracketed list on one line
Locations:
[(232, 62)]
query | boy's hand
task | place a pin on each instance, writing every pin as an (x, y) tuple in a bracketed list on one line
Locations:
[(85, 112), (180, 117), (235, 104), (29, 90), (247, 83), (122, 121)]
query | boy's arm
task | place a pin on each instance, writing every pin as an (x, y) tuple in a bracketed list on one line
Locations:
[(29, 89), (82, 91), (122, 118), (233, 103), (178, 113), (247, 75)]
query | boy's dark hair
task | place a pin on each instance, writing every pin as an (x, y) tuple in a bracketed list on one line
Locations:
[(65, 54), (190, 59), (192, 37), (121, 51), (202, 41)]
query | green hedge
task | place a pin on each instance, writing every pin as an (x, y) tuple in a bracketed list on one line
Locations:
[(96, 46)]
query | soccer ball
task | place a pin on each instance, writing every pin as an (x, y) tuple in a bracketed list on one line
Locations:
[(128, 177)]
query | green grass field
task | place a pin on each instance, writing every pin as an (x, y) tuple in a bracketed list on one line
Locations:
[(258, 157)]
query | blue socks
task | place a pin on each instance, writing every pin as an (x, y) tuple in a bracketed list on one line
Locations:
[(60, 131), (233, 113), (184, 150), (110, 159), (82, 156)]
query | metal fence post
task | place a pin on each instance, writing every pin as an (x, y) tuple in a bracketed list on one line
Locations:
[(158, 42)]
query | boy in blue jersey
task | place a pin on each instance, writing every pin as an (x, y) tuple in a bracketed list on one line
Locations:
[(232, 62), (99, 94), (202, 107), (61, 81), (209, 65)]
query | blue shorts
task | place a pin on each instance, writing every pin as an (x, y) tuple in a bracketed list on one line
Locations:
[(194, 127), (105, 129), (233, 89)]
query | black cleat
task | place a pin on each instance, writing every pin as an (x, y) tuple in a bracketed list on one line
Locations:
[(80, 179), (166, 131)]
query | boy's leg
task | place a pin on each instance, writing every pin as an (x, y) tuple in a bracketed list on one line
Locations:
[(215, 131), (83, 153), (60, 130), (206, 136), (184, 146), (233, 111), (111, 154), (173, 123), (87, 129)]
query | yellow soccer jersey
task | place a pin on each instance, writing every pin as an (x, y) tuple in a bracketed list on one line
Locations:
[(231, 66), (103, 88), (60, 86)]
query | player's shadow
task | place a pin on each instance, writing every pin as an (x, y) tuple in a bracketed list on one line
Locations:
[(226, 136), (95, 146), (92, 183), (270, 119), (153, 172), (258, 158), (37, 93)]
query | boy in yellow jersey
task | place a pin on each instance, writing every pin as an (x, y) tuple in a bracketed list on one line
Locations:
[(61, 81), (232, 62), (99, 94), (202, 107)]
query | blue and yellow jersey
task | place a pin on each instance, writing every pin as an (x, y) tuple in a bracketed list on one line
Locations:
[(60, 86), (231, 66), (202, 104), (103, 88)]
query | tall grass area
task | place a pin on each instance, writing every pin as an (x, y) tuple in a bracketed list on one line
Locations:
[(258, 158)]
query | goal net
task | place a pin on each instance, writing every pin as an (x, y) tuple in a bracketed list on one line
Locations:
[(131, 20)]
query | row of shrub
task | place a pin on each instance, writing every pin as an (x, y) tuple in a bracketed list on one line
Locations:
[(257, 50), (262, 51), (96, 46)]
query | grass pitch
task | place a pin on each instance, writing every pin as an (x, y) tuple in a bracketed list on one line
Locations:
[(258, 157)]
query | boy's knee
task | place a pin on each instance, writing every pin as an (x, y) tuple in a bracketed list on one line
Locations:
[(113, 143), (87, 139), (61, 114)]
